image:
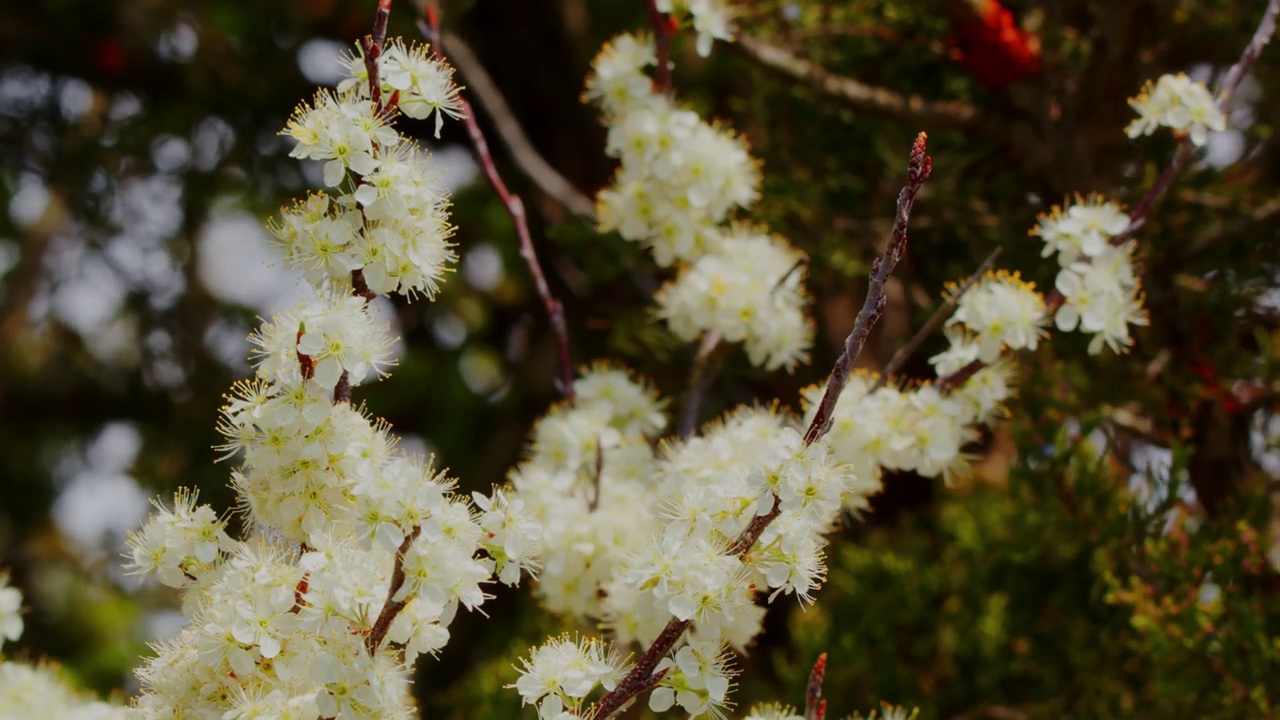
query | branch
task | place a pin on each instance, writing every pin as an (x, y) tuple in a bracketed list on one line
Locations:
[(919, 166), (895, 363), (372, 46), (430, 29), (391, 608), (522, 151), (662, 41), (706, 363), (640, 677), (854, 93)]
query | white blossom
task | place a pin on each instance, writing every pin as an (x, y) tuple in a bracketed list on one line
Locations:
[(1179, 103)]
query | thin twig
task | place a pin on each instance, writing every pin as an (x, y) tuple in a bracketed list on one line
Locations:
[(509, 130), (594, 501), (641, 676), (855, 93), (919, 166), (944, 310), (958, 378), (661, 41), (430, 28), (380, 22), (392, 607), (706, 363), (372, 46), (1261, 36)]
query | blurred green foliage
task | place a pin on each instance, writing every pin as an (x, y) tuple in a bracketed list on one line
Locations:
[(1064, 580)]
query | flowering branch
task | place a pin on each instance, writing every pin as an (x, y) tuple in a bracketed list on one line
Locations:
[(641, 676), (895, 363), (430, 28), (919, 166), (855, 93), (1261, 36)]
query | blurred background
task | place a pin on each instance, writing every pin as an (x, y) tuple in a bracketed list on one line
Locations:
[(1109, 555)]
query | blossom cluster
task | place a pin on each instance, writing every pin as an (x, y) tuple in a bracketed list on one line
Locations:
[(636, 537), (678, 181), (679, 176), (750, 290), (358, 555), (1001, 311), (1179, 103), (388, 218), (1099, 286), (922, 429)]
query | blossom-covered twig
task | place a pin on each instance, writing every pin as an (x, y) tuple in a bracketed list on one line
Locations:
[(1261, 36), (430, 28), (855, 93), (641, 675), (919, 166), (939, 316), (525, 155), (1138, 215)]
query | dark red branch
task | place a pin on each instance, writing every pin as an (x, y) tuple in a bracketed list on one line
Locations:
[(919, 165), (372, 46), (661, 41), (430, 29), (641, 677), (391, 608), (380, 23)]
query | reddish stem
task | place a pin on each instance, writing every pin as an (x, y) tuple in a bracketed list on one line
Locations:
[(515, 208), (372, 46), (391, 608), (661, 41), (919, 166)]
